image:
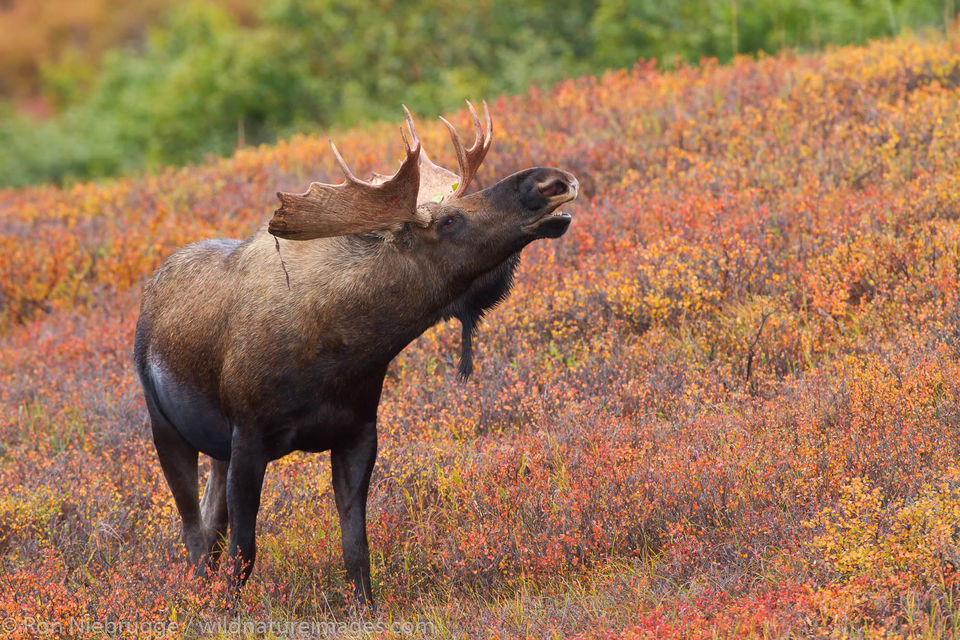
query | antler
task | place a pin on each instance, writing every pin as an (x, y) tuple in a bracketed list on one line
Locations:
[(471, 159), (437, 181), (355, 206), (358, 206)]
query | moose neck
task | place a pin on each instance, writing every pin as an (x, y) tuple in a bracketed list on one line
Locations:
[(375, 296)]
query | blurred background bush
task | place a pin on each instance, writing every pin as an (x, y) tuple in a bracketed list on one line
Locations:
[(93, 88)]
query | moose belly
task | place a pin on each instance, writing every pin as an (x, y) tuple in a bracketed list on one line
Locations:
[(195, 417)]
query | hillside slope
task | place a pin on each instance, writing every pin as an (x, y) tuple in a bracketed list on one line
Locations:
[(725, 404)]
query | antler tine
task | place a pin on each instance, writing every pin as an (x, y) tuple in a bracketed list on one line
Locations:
[(458, 147), (489, 138), (478, 134), (343, 165), (481, 144), (414, 137), (470, 159), (484, 137)]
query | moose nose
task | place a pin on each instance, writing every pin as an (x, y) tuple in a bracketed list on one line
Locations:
[(558, 186), (553, 188), (546, 187)]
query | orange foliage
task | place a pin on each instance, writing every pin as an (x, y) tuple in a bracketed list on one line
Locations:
[(725, 404)]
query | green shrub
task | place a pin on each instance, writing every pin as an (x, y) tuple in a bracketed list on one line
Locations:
[(202, 80)]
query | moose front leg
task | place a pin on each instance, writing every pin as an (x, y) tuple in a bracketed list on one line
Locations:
[(244, 484), (352, 466)]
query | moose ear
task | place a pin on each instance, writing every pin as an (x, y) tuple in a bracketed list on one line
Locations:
[(354, 206)]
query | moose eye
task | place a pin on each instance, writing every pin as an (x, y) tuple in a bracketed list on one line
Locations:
[(447, 222)]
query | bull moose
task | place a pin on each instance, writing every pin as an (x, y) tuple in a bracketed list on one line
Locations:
[(249, 350)]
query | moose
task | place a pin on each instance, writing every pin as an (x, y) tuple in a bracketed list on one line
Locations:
[(249, 350)]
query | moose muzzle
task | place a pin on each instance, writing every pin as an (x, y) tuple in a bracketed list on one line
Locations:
[(543, 191)]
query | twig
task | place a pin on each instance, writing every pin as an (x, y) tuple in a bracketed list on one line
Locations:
[(282, 263), (753, 344)]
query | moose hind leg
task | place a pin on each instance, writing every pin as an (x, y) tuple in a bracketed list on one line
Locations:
[(351, 467), (213, 508), (178, 459)]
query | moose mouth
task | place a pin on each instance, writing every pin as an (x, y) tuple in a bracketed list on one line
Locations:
[(556, 189), (552, 225)]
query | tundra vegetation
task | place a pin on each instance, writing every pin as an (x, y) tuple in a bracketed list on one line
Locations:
[(724, 404)]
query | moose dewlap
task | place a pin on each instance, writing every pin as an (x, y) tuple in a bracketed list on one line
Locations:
[(249, 350)]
